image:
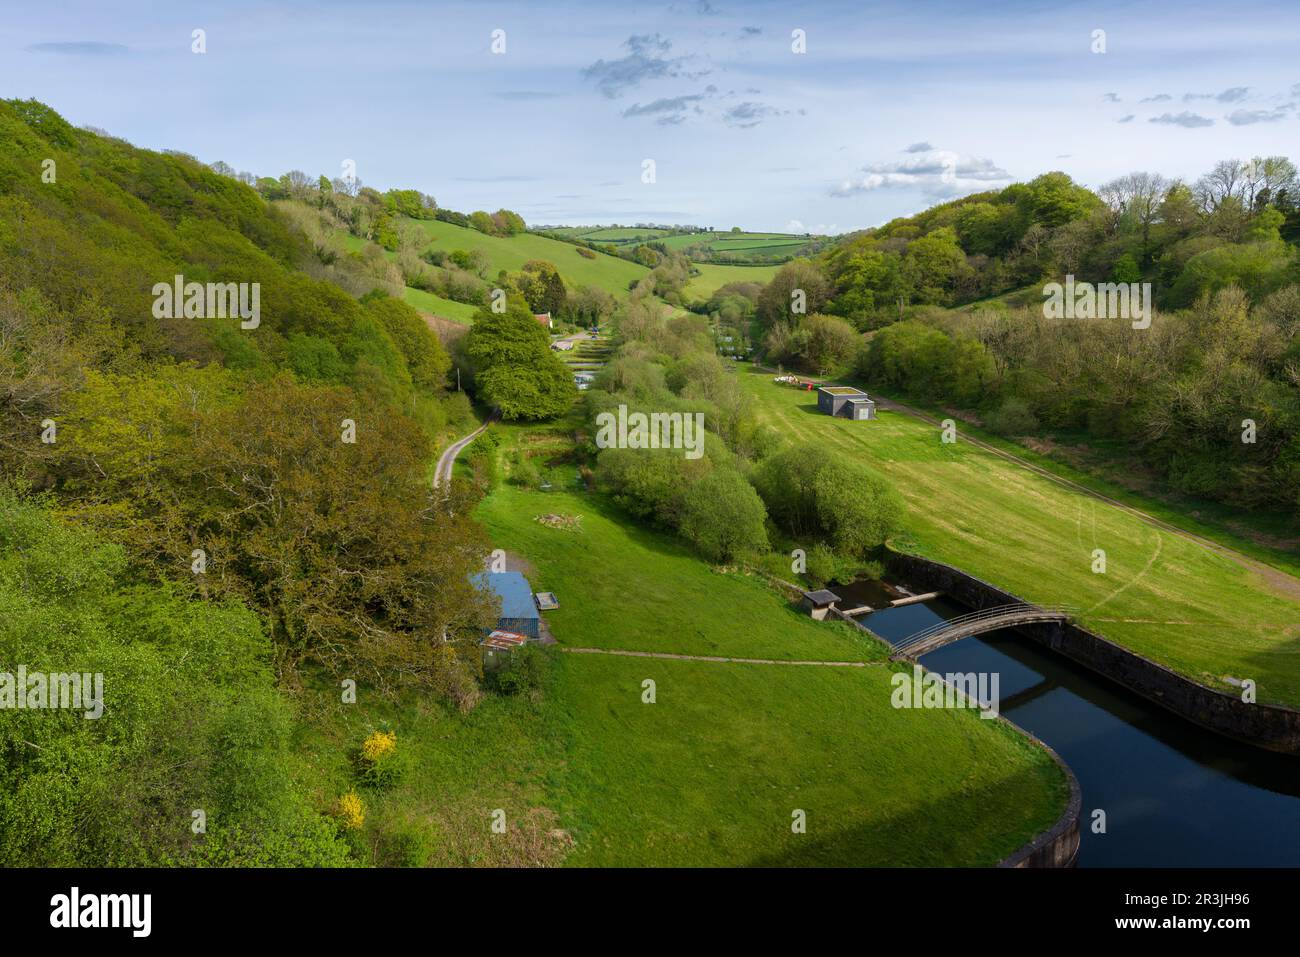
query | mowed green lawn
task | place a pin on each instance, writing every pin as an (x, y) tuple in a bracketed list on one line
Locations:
[(511, 252), (713, 276), (1196, 611), (712, 772)]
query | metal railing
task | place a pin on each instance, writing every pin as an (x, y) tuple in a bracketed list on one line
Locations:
[(986, 619)]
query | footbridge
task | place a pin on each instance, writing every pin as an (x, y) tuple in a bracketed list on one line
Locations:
[(977, 623)]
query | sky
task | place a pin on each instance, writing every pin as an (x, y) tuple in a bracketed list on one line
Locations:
[(889, 108)]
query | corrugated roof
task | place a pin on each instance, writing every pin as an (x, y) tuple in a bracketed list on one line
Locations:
[(504, 640), (821, 597), (516, 594)]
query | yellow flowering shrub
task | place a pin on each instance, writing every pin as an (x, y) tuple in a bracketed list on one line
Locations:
[(351, 811), (378, 744)]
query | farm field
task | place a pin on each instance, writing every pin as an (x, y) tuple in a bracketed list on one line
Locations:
[(714, 275), (776, 247), (1170, 599), (511, 252), (712, 771), (462, 312)]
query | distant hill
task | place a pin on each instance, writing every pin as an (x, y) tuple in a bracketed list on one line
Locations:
[(701, 246)]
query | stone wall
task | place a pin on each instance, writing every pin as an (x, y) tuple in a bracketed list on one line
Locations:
[(1267, 726)]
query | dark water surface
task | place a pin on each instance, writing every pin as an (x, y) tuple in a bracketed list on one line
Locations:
[(1173, 794)]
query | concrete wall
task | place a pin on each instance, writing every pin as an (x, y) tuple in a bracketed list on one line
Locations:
[(1267, 726), (1058, 846)]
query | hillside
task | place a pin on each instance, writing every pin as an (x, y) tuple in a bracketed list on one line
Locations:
[(610, 273), (737, 246)]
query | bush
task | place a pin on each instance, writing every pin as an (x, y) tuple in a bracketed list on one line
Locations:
[(524, 671), (723, 517), (405, 844), (379, 762), (1013, 417)]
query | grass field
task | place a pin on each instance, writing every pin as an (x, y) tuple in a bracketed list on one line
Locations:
[(1165, 597), (447, 308), (511, 252), (712, 276), (713, 770)]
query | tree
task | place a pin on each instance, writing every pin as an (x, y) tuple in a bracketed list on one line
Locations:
[(723, 516), (1135, 200), (813, 491), (798, 289), (514, 366), (542, 286), (1225, 181)]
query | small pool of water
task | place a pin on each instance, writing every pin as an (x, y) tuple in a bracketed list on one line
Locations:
[(1174, 794), (866, 592)]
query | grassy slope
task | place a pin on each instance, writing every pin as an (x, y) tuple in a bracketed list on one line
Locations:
[(711, 773), (462, 312), (1162, 596), (712, 276), (510, 253)]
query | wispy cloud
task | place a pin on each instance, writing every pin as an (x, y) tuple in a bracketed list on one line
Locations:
[(1158, 98), (1125, 119), (921, 147), (645, 61), (1189, 120), (1247, 117), (1111, 97), (80, 48), (749, 114), (667, 111), (1234, 94)]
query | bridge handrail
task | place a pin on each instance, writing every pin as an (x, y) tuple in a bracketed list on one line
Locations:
[(1011, 611)]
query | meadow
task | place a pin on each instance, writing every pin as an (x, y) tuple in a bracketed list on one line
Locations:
[(610, 273), (711, 773), (713, 276), (1193, 609)]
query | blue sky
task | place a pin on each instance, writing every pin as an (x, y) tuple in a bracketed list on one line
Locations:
[(893, 107)]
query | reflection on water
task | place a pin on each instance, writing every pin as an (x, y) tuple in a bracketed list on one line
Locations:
[(1173, 794)]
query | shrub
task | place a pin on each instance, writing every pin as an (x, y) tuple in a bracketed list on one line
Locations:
[(524, 671), (404, 845), (350, 811), (380, 763), (723, 517), (1013, 417)]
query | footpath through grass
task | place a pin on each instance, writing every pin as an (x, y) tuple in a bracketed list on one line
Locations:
[(712, 772), (1165, 597)]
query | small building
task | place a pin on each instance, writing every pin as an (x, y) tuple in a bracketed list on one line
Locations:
[(547, 601), (562, 345), (498, 646), (845, 402), (819, 603), (545, 319), (518, 610)]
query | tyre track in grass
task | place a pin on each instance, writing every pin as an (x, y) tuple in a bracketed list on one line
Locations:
[(1277, 580)]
